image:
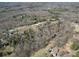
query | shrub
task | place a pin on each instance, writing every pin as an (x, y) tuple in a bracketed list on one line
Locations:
[(41, 53), (75, 46), (77, 54)]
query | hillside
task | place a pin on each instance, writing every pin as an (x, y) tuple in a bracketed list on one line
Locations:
[(37, 29), (38, 37)]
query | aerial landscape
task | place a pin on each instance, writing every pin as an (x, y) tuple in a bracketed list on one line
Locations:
[(39, 29)]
